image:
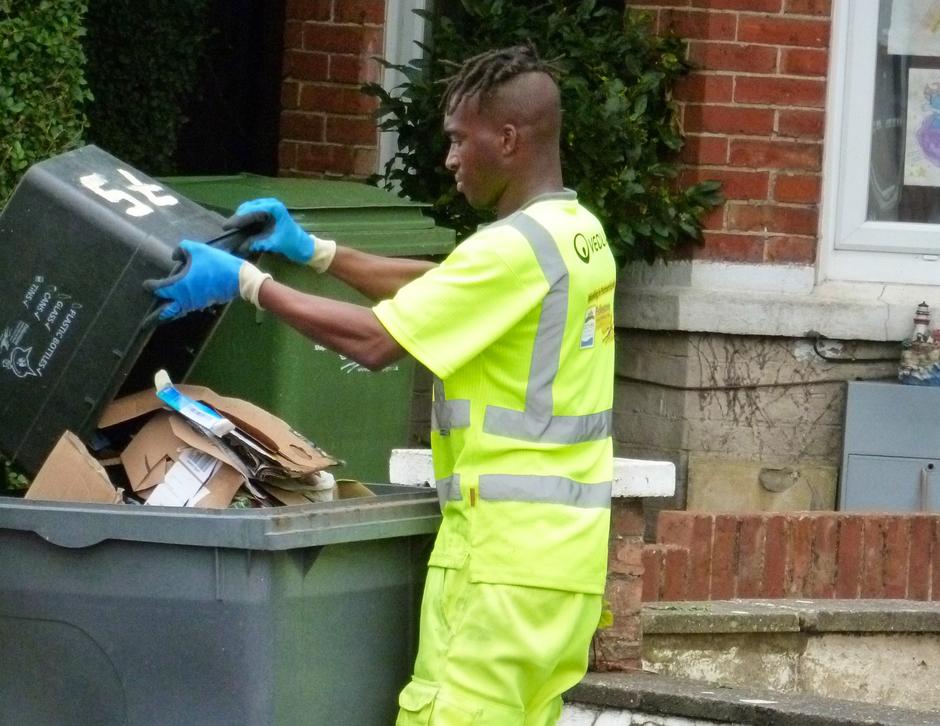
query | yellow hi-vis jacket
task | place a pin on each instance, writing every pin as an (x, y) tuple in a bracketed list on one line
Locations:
[(517, 326)]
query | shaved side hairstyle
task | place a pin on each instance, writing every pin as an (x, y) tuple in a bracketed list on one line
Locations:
[(482, 74)]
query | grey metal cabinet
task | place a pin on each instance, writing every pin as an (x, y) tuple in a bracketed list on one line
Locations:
[(891, 448)]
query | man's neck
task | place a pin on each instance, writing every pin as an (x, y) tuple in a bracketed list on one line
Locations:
[(513, 199)]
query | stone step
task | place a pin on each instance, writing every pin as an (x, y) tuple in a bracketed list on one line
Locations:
[(883, 652), (640, 697)]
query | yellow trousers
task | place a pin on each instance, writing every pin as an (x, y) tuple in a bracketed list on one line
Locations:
[(495, 655)]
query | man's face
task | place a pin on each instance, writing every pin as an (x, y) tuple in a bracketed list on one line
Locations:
[(474, 155)]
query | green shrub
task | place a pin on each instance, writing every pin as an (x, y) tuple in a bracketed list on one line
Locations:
[(42, 83), (620, 137), (144, 59)]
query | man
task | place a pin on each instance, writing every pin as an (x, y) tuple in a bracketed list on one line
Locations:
[(516, 325)]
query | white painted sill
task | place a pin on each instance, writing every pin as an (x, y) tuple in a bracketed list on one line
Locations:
[(766, 300), (632, 477)]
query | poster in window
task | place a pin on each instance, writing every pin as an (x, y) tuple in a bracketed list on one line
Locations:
[(922, 140), (915, 28)]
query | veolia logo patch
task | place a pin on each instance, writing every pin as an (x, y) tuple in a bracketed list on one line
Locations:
[(584, 245)]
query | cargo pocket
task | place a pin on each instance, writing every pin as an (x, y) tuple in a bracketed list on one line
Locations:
[(420, 705)]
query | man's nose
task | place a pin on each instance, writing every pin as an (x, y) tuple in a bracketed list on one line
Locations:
[(450, 162)]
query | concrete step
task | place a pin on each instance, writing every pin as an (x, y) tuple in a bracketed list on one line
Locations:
[(884, 652), (639, 697)]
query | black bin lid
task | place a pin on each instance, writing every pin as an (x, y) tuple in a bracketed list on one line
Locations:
[(78, 237)]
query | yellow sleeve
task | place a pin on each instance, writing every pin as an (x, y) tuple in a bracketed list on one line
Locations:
[(453, 312)]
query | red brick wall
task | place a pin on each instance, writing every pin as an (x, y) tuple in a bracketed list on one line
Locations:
[(327, 127), (618, 647), (752, 113), (712, 556)]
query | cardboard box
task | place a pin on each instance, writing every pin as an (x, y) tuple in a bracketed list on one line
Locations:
[(171, 462)]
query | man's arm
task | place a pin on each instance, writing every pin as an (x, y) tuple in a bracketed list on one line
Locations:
[(351, 330), (374, 276), (270, 228)]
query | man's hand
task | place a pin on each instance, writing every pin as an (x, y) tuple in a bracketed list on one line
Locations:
[(209, 277), (278, 231)]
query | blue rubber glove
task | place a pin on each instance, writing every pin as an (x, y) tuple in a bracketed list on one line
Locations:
[(278, 231), (209, 276)]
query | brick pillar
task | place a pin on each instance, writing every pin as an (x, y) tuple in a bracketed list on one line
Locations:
[(617, 648), (327, 123)]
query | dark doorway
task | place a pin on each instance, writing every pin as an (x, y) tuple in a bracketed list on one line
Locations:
[(233, 119)]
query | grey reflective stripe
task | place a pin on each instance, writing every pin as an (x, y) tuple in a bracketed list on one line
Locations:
[(447, 415), (536, 422), (550, 429), (544, 489), (448, 489)]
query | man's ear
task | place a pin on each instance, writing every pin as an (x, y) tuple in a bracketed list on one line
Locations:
[(510, 139)]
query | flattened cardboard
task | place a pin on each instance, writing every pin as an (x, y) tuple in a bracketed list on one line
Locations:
[(154, 477), (285, 497), (221, 488), (350, 489), (157, 446), (160, 439), (217, 493), (345, 489), (289, 448), (71, 474), (150, 453)]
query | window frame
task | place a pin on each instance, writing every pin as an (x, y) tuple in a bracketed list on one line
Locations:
[(403, 28), (851, 247)]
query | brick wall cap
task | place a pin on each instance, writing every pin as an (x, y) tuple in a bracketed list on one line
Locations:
[(803, 615)]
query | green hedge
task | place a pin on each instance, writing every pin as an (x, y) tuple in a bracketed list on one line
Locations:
[(117, 73), (621, 134), (42, 84)]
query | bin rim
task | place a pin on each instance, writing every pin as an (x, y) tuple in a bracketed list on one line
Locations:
[(401, 512)]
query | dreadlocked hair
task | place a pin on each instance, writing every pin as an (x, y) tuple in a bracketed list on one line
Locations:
[(484, 73)]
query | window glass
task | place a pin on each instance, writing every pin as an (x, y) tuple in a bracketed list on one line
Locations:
[(904, 183)]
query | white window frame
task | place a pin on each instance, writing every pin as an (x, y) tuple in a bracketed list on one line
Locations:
[(851, 247), (402, 29)]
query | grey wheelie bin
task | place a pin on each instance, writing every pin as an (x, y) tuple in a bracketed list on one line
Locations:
[(152, 616), (355, 414)]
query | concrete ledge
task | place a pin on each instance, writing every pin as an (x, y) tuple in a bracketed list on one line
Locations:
[(789, 616), (642, 478), (778, 300), (632, 477), (410, 466), (655, 694)]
